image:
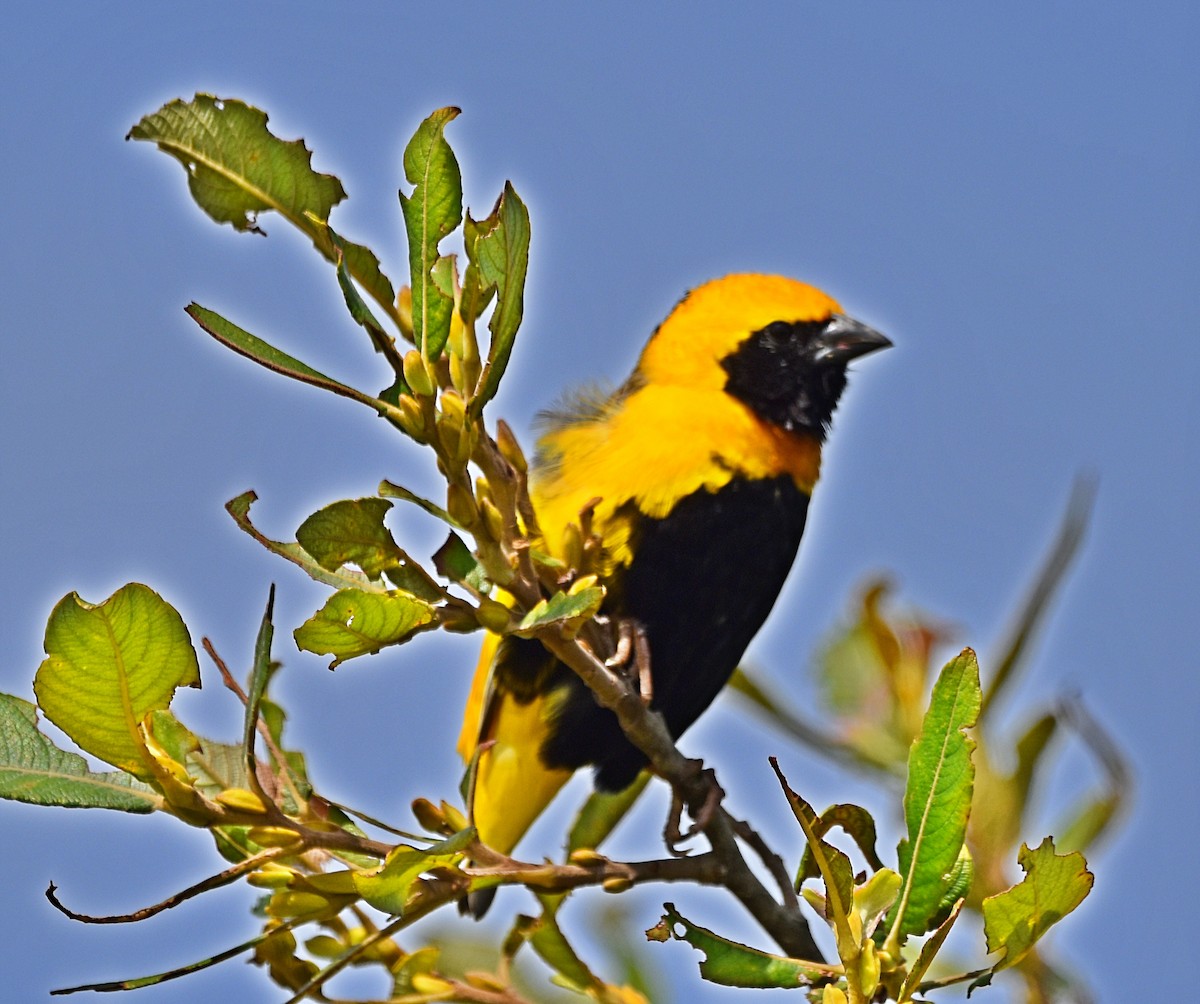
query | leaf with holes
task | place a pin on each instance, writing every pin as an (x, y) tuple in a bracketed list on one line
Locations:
[(354, 623)]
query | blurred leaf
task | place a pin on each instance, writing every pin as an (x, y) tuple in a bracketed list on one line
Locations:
[(937, 798), (500, 251), (237, 169), (854, 666), (734, 965), (34, 770), (771, 705), (342, 578), (1053, 886), (1090, 821), (570, 610), (547, 939), (874, 673), (432, 211), (601, 813), (108, 665), (353, 623), (1047, 583), (387, 887), (351, 532)]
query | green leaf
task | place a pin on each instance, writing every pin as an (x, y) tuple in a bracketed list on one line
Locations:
[(342, 578), (937, 798), (500, 252), (354, 623), (856, 822), (833, 866), (390, 489), (734, 965), (265, 354), (174, 974), (384, 343), (454, 561), (432, 211), (351, 532), (34, 770), (547, 939), (1054, 884), (570, 610), (108, 665), (260, 676), (387, 887), (928, 953), (237, 169)]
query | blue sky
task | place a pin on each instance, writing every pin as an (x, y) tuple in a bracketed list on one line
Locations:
[(1010, 193)]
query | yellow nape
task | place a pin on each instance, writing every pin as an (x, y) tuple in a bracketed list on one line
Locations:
[(512, 785), (662, 444)]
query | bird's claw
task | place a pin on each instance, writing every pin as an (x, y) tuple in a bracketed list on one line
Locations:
[(702, 814), (632, 657)]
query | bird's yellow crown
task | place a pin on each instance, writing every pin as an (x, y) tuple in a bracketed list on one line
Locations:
[(713, 319)]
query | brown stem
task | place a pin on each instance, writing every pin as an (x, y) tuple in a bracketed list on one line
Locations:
[(212, 882), (648, 732)]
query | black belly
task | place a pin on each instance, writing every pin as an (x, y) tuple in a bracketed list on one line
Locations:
[(701, 583)]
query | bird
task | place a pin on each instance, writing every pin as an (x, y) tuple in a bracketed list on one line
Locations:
[(697, 472)]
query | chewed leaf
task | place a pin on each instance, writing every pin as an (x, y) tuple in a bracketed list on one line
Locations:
[(34, 770), (237, 169), (353, 623), (734, 965), (351, 532), (108, 665), (1054, 884), (340, 578)]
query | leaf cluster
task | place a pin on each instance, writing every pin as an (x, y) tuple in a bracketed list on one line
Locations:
[(352, 884)]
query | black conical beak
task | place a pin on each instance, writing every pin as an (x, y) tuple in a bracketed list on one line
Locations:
[(844, 339)]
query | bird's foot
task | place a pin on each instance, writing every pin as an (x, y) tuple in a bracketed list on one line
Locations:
[(701, 810), (632, 657)]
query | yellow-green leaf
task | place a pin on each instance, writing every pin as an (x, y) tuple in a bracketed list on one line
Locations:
[(387, 887), (108, 665), (353, 623), (1054, 884)]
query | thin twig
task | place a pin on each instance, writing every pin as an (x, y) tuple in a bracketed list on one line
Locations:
[(212, 882)]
